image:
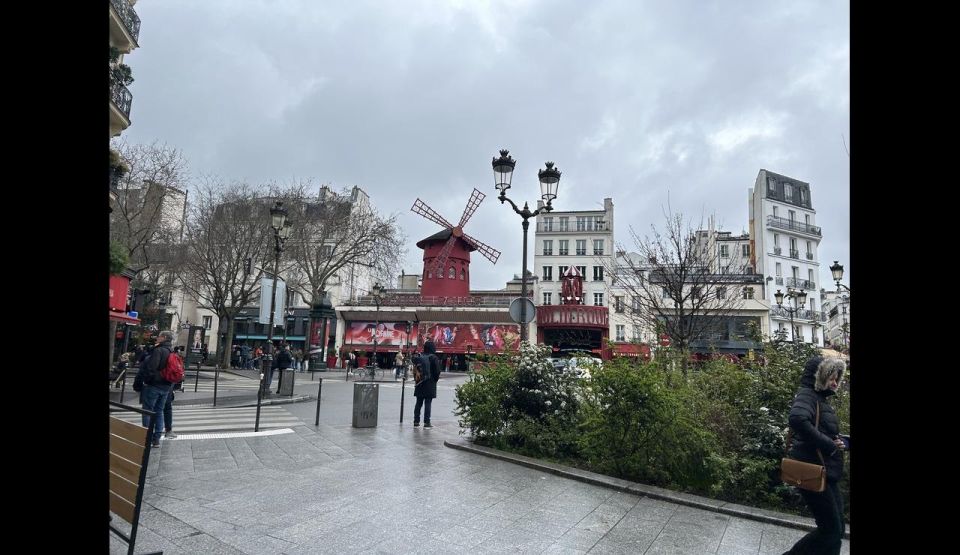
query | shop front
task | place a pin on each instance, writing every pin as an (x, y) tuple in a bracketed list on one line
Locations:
[(574, 327)]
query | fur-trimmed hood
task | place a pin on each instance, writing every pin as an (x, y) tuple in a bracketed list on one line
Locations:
[(816, 374)]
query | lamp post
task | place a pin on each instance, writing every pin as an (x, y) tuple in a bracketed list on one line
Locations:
[(281, 231), (797, 300), (377, 294), (549, 183), (407, 361), (837, 270)]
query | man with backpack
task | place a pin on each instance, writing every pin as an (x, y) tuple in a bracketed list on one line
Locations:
[(159, 372), (282, 361), (428, 372)]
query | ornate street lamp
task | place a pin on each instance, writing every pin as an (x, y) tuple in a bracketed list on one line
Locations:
[(797, 300), (377, 294), (837, 270), (549, 184)]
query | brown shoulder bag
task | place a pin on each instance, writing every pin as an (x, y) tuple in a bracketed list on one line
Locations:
[(811, 477)]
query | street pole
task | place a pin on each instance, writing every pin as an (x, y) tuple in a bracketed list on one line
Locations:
[(524, 325), (281, 230)]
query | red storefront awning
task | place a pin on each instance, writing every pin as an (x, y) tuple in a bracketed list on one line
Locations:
[(122, 317)]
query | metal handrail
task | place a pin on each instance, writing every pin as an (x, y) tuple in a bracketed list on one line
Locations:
[(793, 225), (129, 17), (122, 98)]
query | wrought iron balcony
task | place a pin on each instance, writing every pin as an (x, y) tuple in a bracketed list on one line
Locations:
[(122, 99), (792, 225), (777, 250), (794, 253), (572, 228), (798, 314), (779, 280), (800, 284), (809, 256), (129, 17)]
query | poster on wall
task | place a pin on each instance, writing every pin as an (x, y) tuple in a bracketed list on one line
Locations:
[(478, 337), (391, 334)]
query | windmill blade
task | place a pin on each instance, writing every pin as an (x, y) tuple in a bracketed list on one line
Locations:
[(491, 253), (475, 199), (419, 207), (442, 257)]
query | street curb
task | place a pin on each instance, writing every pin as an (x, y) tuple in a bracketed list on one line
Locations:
[(643, 490)]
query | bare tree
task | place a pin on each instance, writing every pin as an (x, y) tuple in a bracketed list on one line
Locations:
[(334, 232), (227, 225), (675, 285)]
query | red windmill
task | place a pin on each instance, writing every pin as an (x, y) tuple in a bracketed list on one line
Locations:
[(446, 254)]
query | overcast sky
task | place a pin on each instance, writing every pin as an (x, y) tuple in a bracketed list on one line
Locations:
[(644, 102)]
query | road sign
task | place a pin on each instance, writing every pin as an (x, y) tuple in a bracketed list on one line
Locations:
[(515, 310)]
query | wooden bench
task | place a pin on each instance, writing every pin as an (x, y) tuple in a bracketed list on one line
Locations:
[(129, 456)]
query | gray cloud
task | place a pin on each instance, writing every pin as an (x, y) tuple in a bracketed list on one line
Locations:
[(637, 101)]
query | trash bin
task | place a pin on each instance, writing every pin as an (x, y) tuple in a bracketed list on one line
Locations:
[(366, 396), (286, 386)]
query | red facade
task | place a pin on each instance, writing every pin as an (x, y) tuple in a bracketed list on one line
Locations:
[(457, 266)]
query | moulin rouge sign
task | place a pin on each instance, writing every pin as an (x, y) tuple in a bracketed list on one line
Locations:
[(572, 315)]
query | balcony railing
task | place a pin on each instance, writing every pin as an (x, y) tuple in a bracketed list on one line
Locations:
[(572, 228), (129, 17), (801, 284), (801, 314), (809, 256), (777, 250), (794, 253), (779, 280), (121, 98), (792, 225)]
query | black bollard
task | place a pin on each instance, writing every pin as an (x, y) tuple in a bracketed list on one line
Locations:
[(403, 389), (216, 378), (196, 382), (319, 390)]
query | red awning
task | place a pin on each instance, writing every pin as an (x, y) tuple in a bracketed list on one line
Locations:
[(631, 350), (122, 317)]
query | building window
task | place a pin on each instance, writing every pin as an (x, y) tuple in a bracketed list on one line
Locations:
[(564, 223), (813, 304), (548, 273), (463, 274), (771, 184), (598, 299), (776, 240), (635, 305), (666, 293), (429, 274), (563, 270), (788, 191), (748, 292), (581, 247), (581, 223), (598, 223), (598, 246), (598, 273), (795, 272), (618, 304), (583, 271), (779, 270), (810, 278), (620, 333), (802, 195), (806, 219), (746, 250), (452, 273), (791, 215), (636, 332), (547, 223), (696, 293), (564, 247), (547, 298), (721, 292), (774, 211), (724, 251), (548, 247), (207, 322)]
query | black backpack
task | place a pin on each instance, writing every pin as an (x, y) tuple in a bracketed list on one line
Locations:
[(434, 366)]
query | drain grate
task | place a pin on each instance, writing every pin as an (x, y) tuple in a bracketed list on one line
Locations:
[(227, 435)]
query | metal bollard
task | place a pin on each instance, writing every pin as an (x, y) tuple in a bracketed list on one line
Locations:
[(319, 391), (216, 379), (196, 382)]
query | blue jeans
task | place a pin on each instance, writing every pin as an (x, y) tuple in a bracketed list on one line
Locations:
[(425, 402), (154, 398)]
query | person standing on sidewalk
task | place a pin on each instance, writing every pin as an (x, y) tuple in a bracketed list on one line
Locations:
[(168, 412), (425, 389), (155, 388), (282, 361), (398, 366), (821, 379)]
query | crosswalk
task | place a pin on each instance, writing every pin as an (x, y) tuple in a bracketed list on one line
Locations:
[(226, 381), (220, 419)]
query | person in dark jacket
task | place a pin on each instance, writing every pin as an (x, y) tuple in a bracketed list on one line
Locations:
[(426, 389), (282, 360), (821, 378), (155, 388)]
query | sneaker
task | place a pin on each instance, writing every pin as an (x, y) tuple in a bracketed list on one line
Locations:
[(428, 425), (416, 424), (170, 435), (156, 443)]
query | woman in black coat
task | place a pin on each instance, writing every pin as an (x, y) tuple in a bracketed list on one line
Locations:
[(426, 389), (821, 378)]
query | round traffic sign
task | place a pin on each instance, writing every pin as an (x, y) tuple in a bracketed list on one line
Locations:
[(515, 310)]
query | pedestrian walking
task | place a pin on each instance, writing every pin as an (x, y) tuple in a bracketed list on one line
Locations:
[(168, 412), (155, 388), (425, 390), (398, 366), (816, 439)]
